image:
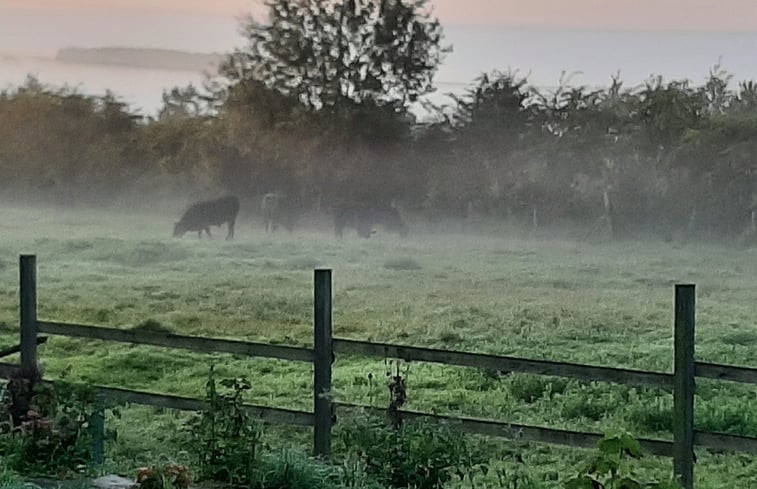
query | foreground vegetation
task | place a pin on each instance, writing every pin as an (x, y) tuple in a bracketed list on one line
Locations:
[(483, 290)]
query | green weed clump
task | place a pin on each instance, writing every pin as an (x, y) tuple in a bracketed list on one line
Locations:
[(611, 467), (152, 326), (413, 455), (530, 388), (46, 430), (228, 446), (9, 478), (224, 438)]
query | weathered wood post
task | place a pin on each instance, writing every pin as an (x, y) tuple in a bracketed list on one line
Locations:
[(322, 357), (28, 312), (684, 385), (98, 430)]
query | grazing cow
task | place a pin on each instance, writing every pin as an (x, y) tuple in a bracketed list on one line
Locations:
[(200, 216), (277, 210), (363, 218)]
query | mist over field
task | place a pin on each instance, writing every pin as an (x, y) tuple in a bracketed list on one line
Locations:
[(528, 214)]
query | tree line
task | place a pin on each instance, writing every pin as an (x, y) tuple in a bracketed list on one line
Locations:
[(320, 104)]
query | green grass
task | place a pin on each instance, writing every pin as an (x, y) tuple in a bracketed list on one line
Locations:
[(557, 299)]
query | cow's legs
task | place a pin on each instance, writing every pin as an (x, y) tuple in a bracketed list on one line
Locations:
[(207, 230), (230, 235), (199, 234)]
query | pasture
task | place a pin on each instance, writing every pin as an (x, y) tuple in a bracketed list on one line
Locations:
[(492, 291)]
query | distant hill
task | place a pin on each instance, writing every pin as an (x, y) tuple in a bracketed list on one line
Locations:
[(141, 58)]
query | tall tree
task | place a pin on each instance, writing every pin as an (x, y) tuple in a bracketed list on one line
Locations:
[(330, 52)]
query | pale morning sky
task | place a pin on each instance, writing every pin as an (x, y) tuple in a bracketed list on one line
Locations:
[(603, 14), (540, 38)]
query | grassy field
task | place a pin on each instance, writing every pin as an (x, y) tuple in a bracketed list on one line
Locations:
[(494, 292)]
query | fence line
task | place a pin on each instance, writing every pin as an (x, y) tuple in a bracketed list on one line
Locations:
[(322, 418), (504, 363), (180, 403), (170, 340), (725, 372), (516, 431)]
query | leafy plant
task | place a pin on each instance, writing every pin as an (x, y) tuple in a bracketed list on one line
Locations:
[(46, 428), (163, 477), (415, 454), (224, 436), (292, 470), (609, 468)]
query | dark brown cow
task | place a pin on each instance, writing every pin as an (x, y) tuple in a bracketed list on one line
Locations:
[(200, 216)]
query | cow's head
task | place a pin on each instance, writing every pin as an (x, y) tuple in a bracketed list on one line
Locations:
[(179, 229)]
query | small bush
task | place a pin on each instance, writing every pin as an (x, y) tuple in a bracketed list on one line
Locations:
[(577, 407), (292, 470), (46, 429), (651, 417), (152, 326), (9, 478), (734, 417), (225, 439), (611, 467), (415, 455), (530, 388), (164, 477), (403, 264)]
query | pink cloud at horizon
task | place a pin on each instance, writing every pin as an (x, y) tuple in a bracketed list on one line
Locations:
[(701, 15)]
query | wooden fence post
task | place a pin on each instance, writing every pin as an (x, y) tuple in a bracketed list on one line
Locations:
[(684, 385), (322, 358), (98, 430), (28, 312)]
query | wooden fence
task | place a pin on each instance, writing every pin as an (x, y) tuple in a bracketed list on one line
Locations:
[(325, 347)]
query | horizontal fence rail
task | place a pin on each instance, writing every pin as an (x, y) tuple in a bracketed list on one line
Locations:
[(263, 413), (717, 371), (17, 348), (503, 363), (515, 431), (170, 340), (724, 442)]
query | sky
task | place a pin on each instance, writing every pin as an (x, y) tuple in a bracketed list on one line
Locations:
[(539, 38), (697, 15)]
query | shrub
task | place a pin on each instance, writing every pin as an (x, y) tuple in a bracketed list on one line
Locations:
[(46, 429), (164, 477), (609, 467), (224, 437), (152, 326), (416, 454), (651, 416), (530, 388), (292, 470)]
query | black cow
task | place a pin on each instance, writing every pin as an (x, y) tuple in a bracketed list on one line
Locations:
[(363, 218), (200, 216), (277, 210)]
